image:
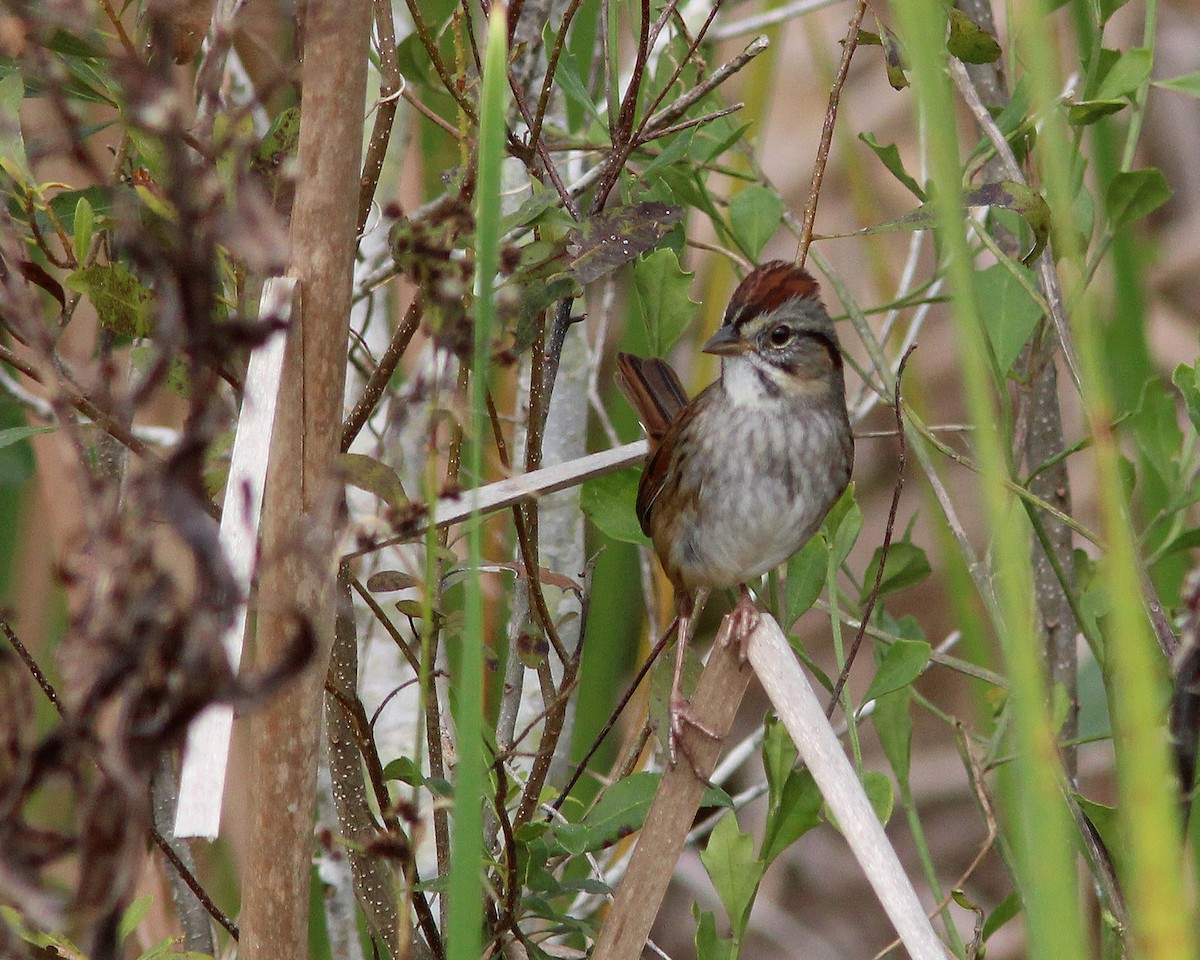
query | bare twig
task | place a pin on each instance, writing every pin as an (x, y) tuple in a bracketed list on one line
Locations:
[(390, 87), (757, 22), (109, 424), (616, 714), (382, 374), (640, 893), (835, 95), (794, 701), (504, 493), (887, 539)]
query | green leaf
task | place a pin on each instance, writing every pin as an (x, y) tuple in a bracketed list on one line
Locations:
[(1021, 200), (13, 160), (178, 378), (755, 214), (390, 581), (796, 811), (1187, 382), (1012, 314), (536, 296), (878, 788), (373, 476), (541, 200), (610, 503), (890, 156), (85, 222), (570, 76), (734, 870), (1187, 540), (900, 666), (906, 565), (734, 135), (12, 435), (404, 770), (1008, 908), (1155, 429), (709, 946), (893, 726), (1108, 7), (66, 204), (16, 454), (805, 578), (1127, 75), (893, 58), (968, 41), (660, 294), (1106, 820), (880, 792), (621, 811), (122, 303), (1005, 194), (778, 757), (848, 528), (133, 915), (1083, 113), (1189, 83), (1134, 194), (676, 148), (279, 143)]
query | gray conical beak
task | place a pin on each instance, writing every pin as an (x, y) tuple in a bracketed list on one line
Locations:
[(726, 342)]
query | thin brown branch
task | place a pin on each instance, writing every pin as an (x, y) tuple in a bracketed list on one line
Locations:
[(439, 65), (623, 133), (616, 714), (382, 374), (694, 122), (835, 95), (83, 405), (360, 726), (989, 841), (560, 40), (540, 149), (887, 538), (677, 109), (638, 897), (391, 83), (678, 69)]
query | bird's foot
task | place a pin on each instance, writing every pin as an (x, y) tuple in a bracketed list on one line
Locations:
[(681, 716), (742, 621)]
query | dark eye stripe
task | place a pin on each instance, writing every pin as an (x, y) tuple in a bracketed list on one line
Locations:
[(788, 363)]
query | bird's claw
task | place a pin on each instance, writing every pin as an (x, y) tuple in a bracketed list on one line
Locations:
[(742, 621)]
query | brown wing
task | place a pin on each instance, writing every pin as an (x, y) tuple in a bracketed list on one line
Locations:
[(654, 390)]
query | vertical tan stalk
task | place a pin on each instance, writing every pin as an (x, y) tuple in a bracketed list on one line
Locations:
[(298, 574)]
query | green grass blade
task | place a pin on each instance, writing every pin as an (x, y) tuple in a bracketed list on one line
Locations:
[(1036, 811), (465, 916)]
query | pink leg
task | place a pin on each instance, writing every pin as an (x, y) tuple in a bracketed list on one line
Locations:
[(744, 619), (679, 712)]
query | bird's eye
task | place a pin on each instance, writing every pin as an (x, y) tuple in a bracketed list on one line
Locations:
[(780, 335)]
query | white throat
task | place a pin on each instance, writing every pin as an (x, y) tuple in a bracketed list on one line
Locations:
[(743, 382)]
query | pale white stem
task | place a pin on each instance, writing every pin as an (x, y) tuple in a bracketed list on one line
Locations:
[(798, 708), (526, 486), (788, 11), (206, 755)]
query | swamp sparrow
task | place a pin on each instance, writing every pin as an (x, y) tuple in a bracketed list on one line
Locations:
[(741, 476)]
